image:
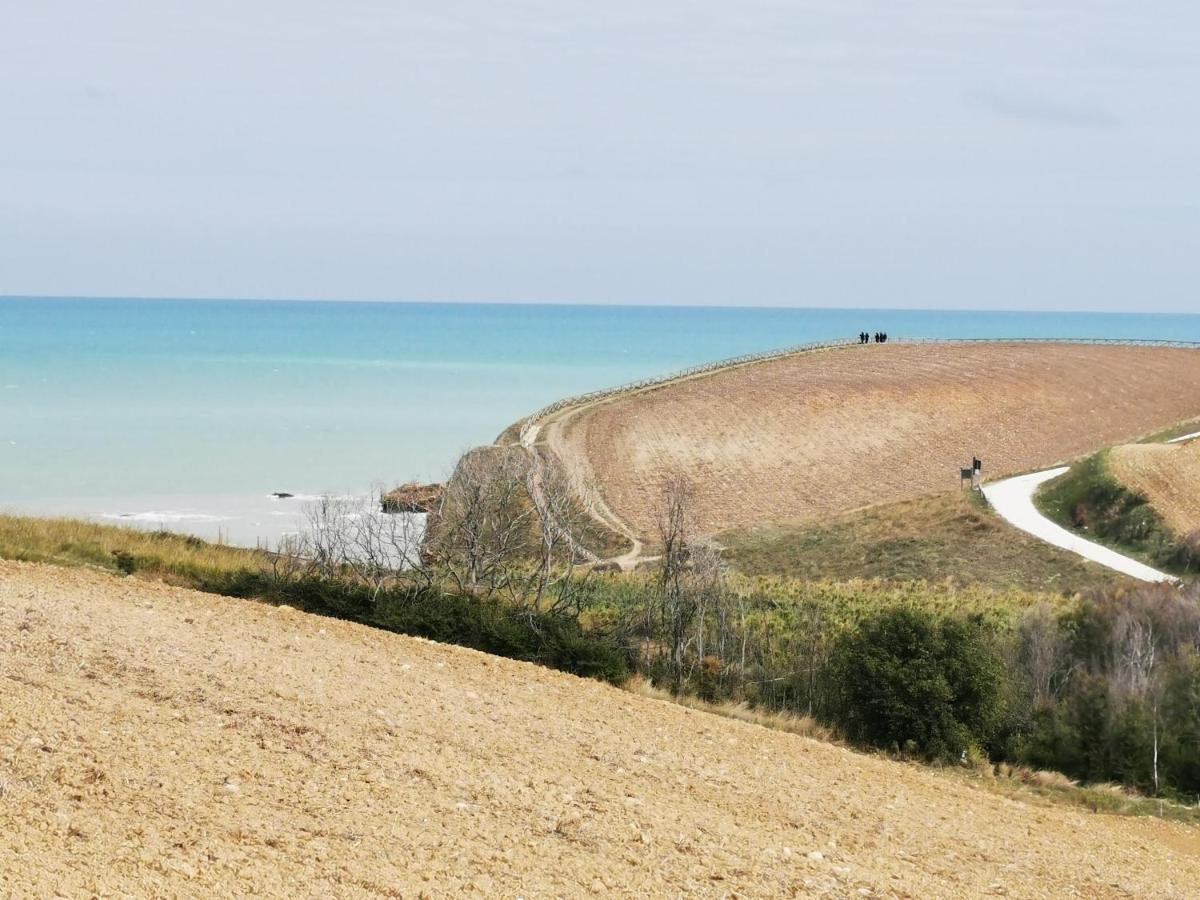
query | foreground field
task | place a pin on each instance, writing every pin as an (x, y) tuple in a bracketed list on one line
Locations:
[(826, 432), (157, 741)]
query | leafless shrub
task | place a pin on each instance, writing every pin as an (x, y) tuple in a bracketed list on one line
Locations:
[(291, 561), (485, 525), (348, 537), (1041, 647), (562, 515)]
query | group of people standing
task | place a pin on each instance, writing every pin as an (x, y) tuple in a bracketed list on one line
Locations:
[(880, 337)]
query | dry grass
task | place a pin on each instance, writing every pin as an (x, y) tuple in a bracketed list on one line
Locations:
[(935, 538), (77, 542), (1169, 476), (161, 742), (818, 434), (804, 726), (1019, 782)]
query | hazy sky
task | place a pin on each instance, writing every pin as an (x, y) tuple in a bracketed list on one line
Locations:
[(958, 153)]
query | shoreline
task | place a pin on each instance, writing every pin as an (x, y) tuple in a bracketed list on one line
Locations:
[(249, 521)]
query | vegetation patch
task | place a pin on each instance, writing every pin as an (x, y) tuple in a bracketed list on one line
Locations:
[(910, 681), (941, 537), (1189, 427), (179, 559)]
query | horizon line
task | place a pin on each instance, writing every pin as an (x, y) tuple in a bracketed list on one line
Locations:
[(145, 298)]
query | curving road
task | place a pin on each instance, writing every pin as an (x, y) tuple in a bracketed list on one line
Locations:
[(1012, 499)]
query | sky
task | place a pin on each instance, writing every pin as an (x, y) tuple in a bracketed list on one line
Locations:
[(995, 154)]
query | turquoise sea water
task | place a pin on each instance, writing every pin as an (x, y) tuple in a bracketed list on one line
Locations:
[(190, 413)]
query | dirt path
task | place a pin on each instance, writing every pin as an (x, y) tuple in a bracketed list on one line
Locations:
[(1012, 499), (552, 430), (549, 431), (160, 742)]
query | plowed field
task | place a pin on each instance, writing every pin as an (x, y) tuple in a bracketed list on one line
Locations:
[(156, 742), (824, 432), (1169, 474)]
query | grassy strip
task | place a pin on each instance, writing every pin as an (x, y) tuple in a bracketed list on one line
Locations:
[(1110, 799), (1088, 499), (952, 536), (1174, 431), (182, 560), (792, 723), (1017, 782)]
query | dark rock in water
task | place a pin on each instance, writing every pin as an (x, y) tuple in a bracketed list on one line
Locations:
[(281, 495), (412, 498)]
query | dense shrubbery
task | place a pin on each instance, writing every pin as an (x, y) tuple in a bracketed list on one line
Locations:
[(908, 679), (482, 623), (1106, 688), (1119, 697)]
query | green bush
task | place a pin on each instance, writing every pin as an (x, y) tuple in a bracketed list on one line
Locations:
[(908, 680)]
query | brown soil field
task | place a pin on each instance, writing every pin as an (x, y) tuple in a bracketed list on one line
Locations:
[(829, 431), (1168, 474), (160, 742)]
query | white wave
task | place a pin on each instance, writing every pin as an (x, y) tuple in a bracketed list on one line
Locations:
[(309, 498), (165, 516)]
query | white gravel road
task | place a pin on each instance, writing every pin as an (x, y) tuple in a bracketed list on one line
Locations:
[(1012, 498)]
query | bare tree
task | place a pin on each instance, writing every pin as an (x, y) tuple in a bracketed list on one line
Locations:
[(562, 517), (1041, 649), (484, 529), (351, 538), (327, 534), (677, 604)]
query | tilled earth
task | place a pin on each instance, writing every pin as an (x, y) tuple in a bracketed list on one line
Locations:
[(1169, 475), (825, 432), (160, 742)]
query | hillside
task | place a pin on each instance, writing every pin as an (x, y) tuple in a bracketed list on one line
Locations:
[(158, 741), (1169, 476), (946, 537), (824, 432)]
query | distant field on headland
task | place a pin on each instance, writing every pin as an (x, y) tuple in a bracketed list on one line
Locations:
[(820, 433)]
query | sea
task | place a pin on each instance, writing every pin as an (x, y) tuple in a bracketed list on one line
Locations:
[(192, 415)]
